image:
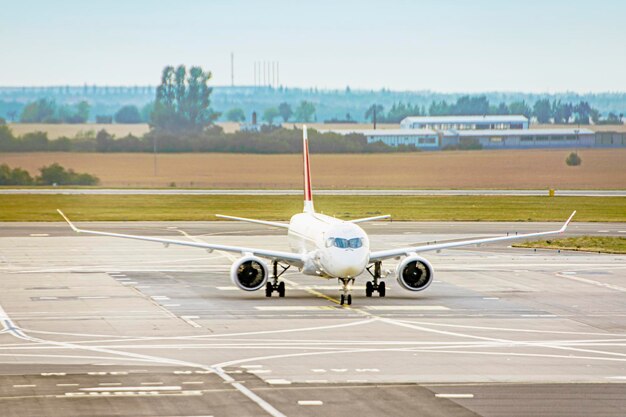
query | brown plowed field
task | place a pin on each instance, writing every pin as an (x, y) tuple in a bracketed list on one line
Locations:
[(600, 169)]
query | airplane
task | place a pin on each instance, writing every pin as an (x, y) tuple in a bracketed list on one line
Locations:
[(325, 247)]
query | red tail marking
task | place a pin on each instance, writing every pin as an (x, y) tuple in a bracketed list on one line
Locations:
[(308, 195)]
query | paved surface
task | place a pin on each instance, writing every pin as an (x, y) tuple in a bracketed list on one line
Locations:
[(125, 191), (98, 326)]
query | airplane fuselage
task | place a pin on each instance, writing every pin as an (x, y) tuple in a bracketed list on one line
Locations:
[(337, 249)]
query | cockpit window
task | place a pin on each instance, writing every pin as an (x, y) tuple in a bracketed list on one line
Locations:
[(342, 243)]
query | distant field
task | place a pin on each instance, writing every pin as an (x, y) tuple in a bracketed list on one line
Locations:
[(429, 208), (510, 169), (55, 131)]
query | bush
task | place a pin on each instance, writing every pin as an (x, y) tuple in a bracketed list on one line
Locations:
[(128, 114), (56, 174), (16, 176), (573, 159), (104, 119)]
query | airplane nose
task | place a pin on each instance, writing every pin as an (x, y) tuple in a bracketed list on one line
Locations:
[(348, 266)]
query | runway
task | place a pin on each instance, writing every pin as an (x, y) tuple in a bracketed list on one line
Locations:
[(98, 326), (270, 192)]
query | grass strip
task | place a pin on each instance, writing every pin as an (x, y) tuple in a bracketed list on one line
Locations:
[(418, 208), (602, 244)]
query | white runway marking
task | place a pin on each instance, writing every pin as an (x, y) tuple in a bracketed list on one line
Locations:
[(592, 282), (454, 395), (491, 298), (294, 308), (310, 402), (142, 388), (420, 308), (190, 320), (24, 386), (39, 234), (278, 382)]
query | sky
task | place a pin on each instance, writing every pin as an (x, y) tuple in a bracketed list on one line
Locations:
[(440, 45)]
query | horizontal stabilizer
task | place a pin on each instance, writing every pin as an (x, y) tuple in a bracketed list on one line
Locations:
[(243, 219)]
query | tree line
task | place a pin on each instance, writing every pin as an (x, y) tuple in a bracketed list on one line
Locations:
[(275, 140), (53, 174), (543, 110)]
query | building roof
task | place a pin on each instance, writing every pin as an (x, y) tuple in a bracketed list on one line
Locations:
[(516, 132), (383, 132), (466, 119)]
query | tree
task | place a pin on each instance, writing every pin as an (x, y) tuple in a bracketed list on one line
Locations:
[(502, 109), (40, 111), (128, 114), (583, 112), (270, 114), (520, 107), (183, 101), (562, 112), (542, 110), (285, 111), (375, 109), (235, 115), (305, 111), (16, 176)]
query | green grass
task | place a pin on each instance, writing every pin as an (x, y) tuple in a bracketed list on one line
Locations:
[(604, 244), (428, 208)]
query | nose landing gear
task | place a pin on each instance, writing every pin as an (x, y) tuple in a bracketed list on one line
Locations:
[(279, 287), (375, 284), (346, 296)]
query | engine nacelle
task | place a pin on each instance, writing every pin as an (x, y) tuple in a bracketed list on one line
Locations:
[(249, 273), (415, 273)]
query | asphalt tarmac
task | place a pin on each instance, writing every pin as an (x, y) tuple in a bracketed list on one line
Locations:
[(103, 327)]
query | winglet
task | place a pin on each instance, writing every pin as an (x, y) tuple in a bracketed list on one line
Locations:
[(74, 228), (567, 222)]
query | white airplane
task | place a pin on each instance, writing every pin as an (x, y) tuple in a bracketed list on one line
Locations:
[(326, 247)]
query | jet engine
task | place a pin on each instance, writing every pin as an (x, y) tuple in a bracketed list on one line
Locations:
[(415, 273), (249, 273)]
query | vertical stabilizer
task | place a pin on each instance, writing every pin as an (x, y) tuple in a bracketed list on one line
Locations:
[(308, 192)]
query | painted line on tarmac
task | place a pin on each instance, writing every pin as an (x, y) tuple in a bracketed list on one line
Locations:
[(592, 282), (405, 308), (454, 395)]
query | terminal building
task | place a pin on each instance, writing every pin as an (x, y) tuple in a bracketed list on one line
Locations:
[(489, 132), (442, 123)]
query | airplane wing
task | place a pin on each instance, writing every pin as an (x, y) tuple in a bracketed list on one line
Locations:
[(289, 257), (264, 222), (370, 219), (385, 254)]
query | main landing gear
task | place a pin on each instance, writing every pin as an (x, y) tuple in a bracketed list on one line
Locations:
[(346, 297), (375, 284), (279, 287)]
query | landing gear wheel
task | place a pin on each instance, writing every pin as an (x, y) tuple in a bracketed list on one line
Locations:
[(349, 299), (369, 289), (343, 299), (269, 288), (381, 289), (281, 289)]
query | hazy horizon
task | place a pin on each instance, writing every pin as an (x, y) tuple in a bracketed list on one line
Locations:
[(439, 46)]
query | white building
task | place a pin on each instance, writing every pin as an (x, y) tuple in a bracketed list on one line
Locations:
[(420, 138), (520, 138), (441, 123)]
